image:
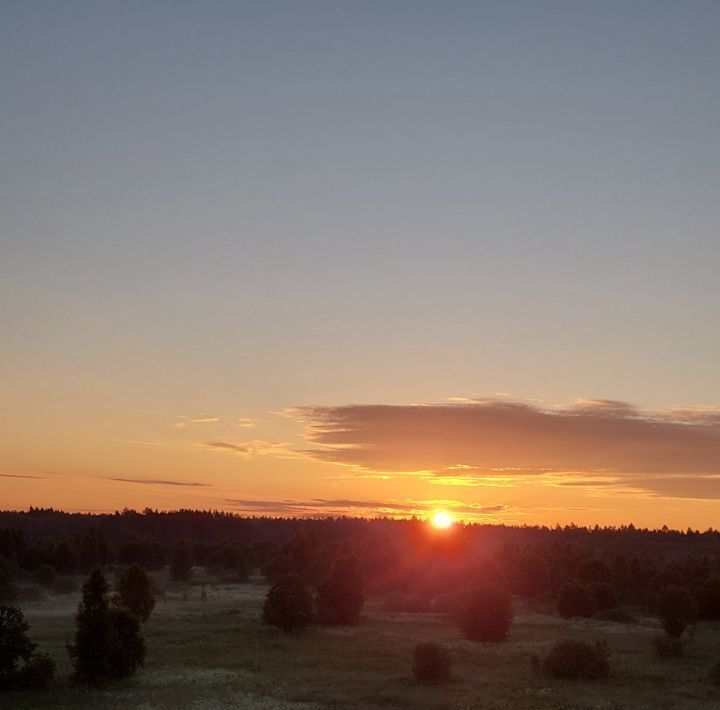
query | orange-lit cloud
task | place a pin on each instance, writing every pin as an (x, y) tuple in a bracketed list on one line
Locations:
[(673, 452)]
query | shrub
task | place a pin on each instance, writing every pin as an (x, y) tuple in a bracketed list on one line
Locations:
[(108, 643), (667, 646), (448, 603), (575, 600), (486, 614), (340, 597), (288, 604), (65, 585), (20, 666), (577, 660), (431, 663), (135, 592), (676, 609)]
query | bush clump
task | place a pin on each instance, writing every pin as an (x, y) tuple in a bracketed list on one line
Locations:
[(20, 666), (431, 663), (288, 604), (135, 592), (577, 660), (667, 646), (676, 608), (486, 614)]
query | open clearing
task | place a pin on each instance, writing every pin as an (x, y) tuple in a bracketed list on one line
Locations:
[(216, 655)]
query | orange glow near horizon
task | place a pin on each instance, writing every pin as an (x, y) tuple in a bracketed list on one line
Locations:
[(442, 520)]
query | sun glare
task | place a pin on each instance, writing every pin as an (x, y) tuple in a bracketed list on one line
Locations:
[(442, 520)]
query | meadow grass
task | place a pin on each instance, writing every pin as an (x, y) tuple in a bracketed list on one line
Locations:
[(216, 655)]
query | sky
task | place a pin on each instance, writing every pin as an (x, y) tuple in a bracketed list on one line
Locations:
[(379, 258)]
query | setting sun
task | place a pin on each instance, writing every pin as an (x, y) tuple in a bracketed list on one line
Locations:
[(441, 519)]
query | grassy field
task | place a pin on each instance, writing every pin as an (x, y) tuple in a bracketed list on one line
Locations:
[(215, 655)]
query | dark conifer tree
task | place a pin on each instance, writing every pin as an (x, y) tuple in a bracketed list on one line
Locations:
[(135, 592), (340, 596)]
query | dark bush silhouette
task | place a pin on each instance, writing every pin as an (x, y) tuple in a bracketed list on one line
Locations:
[(135, 592), (667, 646), (340, 596), (676, 609), (180, 563), (574, 599), (20, 666), (288, 604), (431, 663), (577, 660), (486, 614), (108, 643)]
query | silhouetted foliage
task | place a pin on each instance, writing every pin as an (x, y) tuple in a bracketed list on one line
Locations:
[(577, 660), (340, 597), (135, 592), (20, 666), (8, 588), (574, 599), (486, 614), (432, 663), (288, 604), (127, 646), (400, 602), (667, 646), (180, 563), (676, 609), (108, 643)]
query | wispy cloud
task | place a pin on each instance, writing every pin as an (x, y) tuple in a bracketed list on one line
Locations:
[(18, 475), (245, 422), (197, 420), (255, 447), (159, 482), (673, 452)]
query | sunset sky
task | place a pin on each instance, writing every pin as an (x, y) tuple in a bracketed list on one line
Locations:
[(311, 258)]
